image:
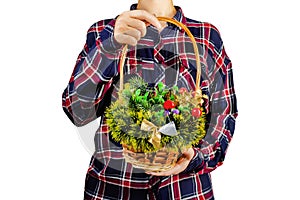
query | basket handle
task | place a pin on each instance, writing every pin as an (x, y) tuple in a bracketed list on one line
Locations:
[(188, 32)]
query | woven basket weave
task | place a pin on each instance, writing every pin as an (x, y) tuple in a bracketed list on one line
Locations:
[(162, 159)]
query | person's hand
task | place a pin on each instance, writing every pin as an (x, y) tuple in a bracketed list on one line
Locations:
[(130, 26), (180, 166)]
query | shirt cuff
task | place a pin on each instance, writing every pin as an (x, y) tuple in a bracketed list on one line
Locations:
[(107, 40)]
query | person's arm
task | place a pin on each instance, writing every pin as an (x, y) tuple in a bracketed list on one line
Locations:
[(210, 152), (84, 98)]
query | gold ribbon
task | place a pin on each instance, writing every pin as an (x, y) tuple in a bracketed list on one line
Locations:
[(167, 129), (156, 135)]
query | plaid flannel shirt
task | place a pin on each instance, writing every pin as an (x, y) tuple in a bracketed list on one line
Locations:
[(166, 56)]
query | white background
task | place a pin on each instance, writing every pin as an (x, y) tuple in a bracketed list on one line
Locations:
[(41, 154)]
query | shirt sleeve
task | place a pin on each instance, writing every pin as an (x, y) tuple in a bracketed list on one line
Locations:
[(84, 98), (210, 152)]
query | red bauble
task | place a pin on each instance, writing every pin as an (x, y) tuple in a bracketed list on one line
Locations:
[(169, 105), (196, 112), (183, 90)]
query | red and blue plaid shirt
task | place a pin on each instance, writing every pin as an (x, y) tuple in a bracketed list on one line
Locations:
[(166, 56)]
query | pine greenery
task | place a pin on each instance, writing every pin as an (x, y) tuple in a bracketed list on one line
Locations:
[(138, 101)]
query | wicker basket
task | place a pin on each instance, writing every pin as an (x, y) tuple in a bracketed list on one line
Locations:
[(162, 159)]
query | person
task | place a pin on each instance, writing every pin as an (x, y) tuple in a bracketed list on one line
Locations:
[(94, 80)]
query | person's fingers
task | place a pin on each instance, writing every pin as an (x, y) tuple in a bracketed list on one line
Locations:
[(133, 33), (188, 153), (126, 39), (178, 168), (180, 165), (130, 26), (174, 170), (146, 16), (137, 24)]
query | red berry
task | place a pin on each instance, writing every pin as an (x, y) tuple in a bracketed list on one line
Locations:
[(196, 112), (183, 90), (169, 105)]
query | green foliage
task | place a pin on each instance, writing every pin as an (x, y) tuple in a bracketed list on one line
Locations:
[(139, 102)]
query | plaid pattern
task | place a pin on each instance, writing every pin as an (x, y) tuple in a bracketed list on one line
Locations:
[(93, 86)]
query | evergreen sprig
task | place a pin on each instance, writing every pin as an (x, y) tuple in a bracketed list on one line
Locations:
[(139, 102)]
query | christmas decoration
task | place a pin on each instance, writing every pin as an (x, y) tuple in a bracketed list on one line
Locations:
[(146, 119), (196, 112), (168, 105)]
